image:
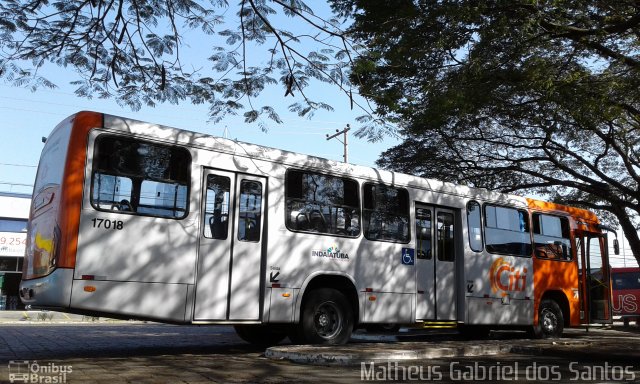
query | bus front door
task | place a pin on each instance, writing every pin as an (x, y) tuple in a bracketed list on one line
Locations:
[(435, 263), (230, 250), (595, 279)]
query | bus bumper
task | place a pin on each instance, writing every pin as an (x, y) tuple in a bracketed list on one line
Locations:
[(53, 290)]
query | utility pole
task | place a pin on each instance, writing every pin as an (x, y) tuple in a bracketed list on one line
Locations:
[(344, 143)]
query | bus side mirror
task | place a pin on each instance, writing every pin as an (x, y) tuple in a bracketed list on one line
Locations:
[(616, 247)]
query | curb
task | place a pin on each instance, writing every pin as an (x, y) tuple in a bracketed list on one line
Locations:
[(374, 352), (354, 354)]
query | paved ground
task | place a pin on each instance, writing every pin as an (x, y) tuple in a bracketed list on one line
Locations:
[(143, 353), (77, 350), (46, 317)]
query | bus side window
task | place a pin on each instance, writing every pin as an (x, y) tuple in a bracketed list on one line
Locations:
[(250, 211), (445, 236), (321, 203), (626, 280), (474, 223), (423, 233), (386, 213), (216, 214), (551, 237), (507, 230)]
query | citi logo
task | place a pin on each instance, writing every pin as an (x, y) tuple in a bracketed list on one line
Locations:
[(505, 277)]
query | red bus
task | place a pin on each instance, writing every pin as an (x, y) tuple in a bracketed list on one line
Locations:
[(626, 293)]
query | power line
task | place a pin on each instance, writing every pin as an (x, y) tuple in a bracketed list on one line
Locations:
[(16, 184), (32, 110), (116, 113), (19, 165)]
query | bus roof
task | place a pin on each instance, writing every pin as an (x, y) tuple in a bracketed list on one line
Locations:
[(579, 213), (246, 151)]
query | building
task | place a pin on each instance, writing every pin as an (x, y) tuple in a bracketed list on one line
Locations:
[(14, 214)]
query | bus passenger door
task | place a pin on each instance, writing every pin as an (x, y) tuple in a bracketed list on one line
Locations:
[(595, 279), (435, 263), (230, 251)]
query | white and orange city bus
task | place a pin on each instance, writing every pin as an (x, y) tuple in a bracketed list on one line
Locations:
[(136, 220)]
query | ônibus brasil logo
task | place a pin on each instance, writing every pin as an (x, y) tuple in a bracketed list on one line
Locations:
[(505, 277)]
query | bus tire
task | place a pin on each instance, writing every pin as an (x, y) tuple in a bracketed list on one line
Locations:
[(550, 320), (260, 335), (326, 318)]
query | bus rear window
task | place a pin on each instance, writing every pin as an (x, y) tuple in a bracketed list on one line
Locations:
[(53, 158), (132, 176)]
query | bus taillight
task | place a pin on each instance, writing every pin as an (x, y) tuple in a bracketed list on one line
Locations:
[(45, 250)]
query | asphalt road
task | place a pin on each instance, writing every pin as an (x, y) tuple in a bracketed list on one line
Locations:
[(122, 352)]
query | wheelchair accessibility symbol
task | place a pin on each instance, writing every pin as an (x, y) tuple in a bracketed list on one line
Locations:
[(408, 256)]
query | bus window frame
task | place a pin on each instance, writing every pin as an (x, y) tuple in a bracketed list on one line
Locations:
[(573, 252), (215, 235), (484, 229), (260, 212), (616, 272), (409, 216), (324, 174), (91, 151), (420, 254), (469, 234)]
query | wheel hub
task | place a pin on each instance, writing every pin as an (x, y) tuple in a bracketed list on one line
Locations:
[(327, 320), (549, 322)]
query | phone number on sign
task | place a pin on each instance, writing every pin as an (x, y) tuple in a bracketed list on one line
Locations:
[(13, 240)]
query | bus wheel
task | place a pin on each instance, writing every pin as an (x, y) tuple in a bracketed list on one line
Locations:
[(550, 320), (261, 335), (327, 318)]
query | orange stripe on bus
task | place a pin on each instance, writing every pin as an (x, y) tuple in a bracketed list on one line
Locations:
[(72, 185), (577, 213)]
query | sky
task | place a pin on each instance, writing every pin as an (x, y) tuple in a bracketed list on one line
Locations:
[(26, 117)]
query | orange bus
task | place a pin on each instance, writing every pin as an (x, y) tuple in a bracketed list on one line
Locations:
[(135, 220), (571, 261)]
